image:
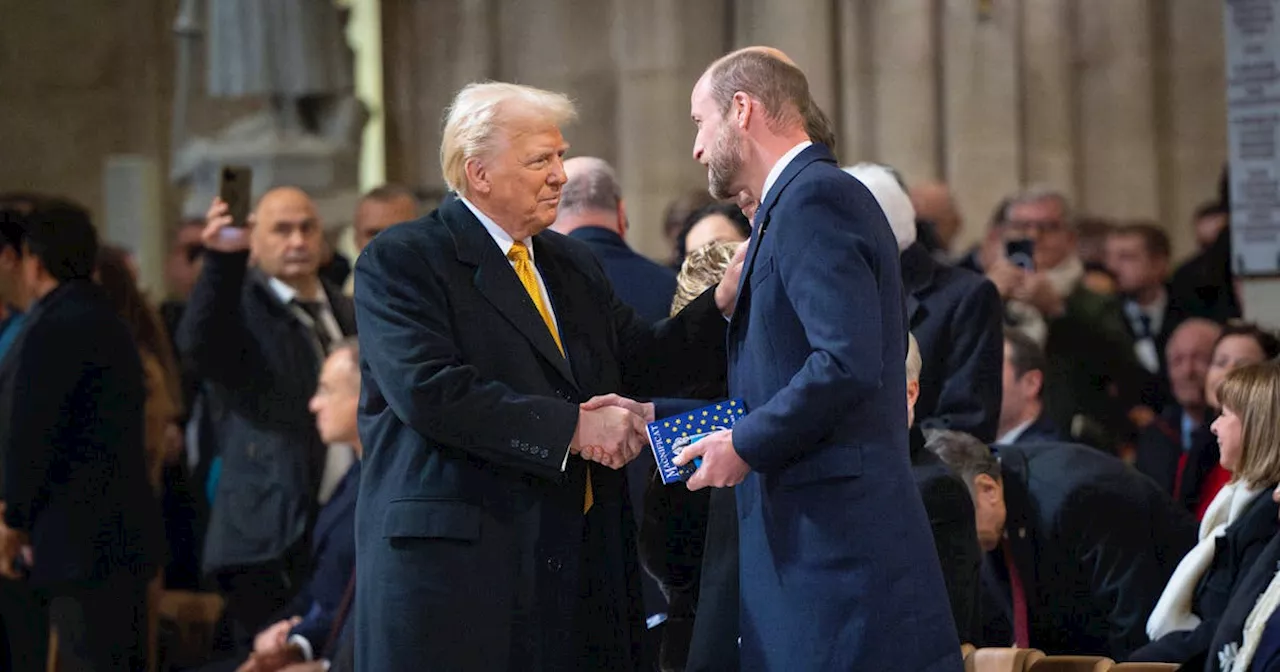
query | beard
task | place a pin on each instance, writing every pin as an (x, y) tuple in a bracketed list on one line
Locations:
[(725, 163)]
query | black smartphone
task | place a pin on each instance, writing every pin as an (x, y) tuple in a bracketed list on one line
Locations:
[(235, 186), (1021, 253)]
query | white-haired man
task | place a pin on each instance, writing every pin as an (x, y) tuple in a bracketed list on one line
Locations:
[(493, 531)]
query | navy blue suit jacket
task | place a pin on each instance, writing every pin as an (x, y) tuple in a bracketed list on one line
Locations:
[(334, 550), (957, 319), (473, 552), (640, 283), (838, 567)]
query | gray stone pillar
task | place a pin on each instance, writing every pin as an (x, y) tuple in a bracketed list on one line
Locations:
[(661, 47)]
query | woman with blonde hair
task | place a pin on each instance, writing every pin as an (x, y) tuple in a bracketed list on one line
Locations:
[(1237, 526)]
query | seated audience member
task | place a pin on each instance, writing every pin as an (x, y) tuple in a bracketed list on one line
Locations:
[(950, 510), (318, 613), (1092, 377), (1022, 416), (381, 208), (717, 222), (676, 216), (1078, 545), (1164, 448), (1239, 344), (1238, 524), (936, 214), (1209, 220), (955, 315)]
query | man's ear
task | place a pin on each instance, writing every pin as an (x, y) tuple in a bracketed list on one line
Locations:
[(743, 109), (478, 176), (623, 224), (987, 489), (1035, 380)]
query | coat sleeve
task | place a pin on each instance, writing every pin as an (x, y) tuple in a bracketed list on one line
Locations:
[(408, 348), (48, 375), (828, 270), (213, 339), (1126, 576), (971, 389)]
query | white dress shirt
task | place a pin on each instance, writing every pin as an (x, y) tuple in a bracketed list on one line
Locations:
[(1013, 434), (781, 165)]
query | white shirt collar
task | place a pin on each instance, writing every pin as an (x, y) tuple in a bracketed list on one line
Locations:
[(1013, 434), (501, 237), (780, 166), (1065, 276), (285, 293)]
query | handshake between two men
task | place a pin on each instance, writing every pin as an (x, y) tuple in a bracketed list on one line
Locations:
[(611, 431)]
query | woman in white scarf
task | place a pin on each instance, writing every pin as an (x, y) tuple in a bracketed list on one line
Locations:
[(1236, 527)]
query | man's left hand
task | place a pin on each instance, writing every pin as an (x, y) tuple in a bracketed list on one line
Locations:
[(1036, 290), (721, 466), (727, 290), (13, 544), (644, 409)]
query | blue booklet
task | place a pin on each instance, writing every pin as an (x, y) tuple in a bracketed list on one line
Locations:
[(669, 436)]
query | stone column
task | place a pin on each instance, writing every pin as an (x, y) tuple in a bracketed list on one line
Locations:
[(661, 47), (1047, 95), (564, 45), (1118, 138), (1196, 141), (429, 53), (856, 82), (904, 65), (981, 110), (805, 30)]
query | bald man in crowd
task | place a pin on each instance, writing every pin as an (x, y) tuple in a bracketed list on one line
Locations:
[(257, 335)]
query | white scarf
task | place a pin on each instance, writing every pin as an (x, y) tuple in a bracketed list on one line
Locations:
[(1173, 611), (1241, 656)]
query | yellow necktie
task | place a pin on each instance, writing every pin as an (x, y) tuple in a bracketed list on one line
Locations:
[(519, 256)]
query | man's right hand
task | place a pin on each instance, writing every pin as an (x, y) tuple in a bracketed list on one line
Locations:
[(275, 636), (1006, 277), (612, 436), (219, 233)]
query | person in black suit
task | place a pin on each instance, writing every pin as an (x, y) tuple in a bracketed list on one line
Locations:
[(1166, 448), (80, 517), (1022, 416), (1078, 545), (308, 628), (1239, 523), (257, 337), (494, 530), (951, 515), (955, 316), (592, 211), (1138, 256)]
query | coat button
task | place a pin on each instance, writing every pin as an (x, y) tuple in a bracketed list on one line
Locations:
[(554, 564), (543, 454)]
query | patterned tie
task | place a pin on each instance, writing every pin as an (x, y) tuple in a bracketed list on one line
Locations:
[(519, 256)]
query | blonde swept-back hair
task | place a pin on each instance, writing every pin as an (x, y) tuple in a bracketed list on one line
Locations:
[(1253, 393), (479, 115), (703, 268)]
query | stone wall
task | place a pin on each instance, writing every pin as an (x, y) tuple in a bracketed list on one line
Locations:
[(1120, 103)]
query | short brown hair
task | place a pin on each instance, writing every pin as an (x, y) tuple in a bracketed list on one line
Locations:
[(1253, 393), (780, 86), (1153, 237)]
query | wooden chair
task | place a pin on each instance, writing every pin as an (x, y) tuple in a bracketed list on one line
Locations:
[(1145, 667), (1072, 664), (967, 650), (1002, 660)]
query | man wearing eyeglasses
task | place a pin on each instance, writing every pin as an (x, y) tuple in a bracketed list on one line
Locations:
[(1093, 379)]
